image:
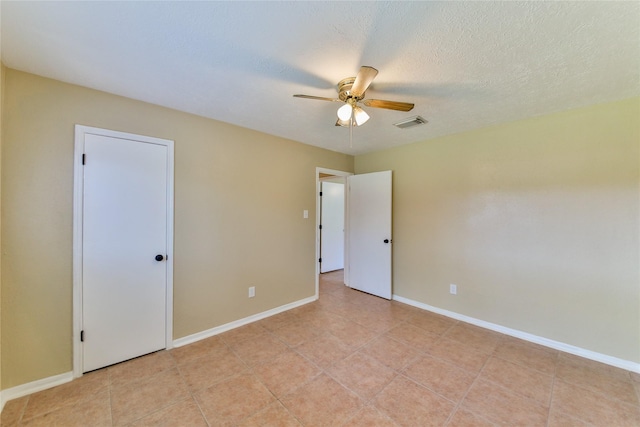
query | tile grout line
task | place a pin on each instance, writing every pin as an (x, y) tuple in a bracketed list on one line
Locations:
[(353, 350), (598, 392), (110, 396), (553, 385), (22, 410), (250, 369), (462, 399), (191, 392)]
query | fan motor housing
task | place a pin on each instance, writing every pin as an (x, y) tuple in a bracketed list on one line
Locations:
[(344, 89)]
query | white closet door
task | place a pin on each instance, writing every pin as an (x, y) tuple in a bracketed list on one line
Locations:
[(124, 280)]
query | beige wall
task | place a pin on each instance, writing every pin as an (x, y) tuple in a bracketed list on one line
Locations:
[(536, 221), (2, 73), (1, 104), (233, 227)]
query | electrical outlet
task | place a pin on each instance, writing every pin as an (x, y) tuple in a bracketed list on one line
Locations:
[(252, 291), (453, 289)]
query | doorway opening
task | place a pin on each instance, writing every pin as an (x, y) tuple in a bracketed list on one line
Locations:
[(332, 203), (331, 228)]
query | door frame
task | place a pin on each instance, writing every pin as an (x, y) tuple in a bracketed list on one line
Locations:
[(78, 201), (339, 173)]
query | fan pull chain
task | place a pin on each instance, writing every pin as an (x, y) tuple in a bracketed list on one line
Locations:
[(351, 130)]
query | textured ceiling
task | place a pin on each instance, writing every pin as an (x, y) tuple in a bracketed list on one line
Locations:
[(465, 65)]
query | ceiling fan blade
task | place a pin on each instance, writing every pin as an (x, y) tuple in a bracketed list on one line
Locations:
[(363, 80), (320, 98), (389, 105)]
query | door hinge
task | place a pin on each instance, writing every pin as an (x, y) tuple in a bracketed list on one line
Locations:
[(320, 260), (81, 336), (84, 158), (321, 194), (320, 226)]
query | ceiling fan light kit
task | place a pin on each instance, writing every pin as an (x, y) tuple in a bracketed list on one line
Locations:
[(348, 112), (351, 91)]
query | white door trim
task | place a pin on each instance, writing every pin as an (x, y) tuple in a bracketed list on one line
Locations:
[(346, 240), (78, 187)]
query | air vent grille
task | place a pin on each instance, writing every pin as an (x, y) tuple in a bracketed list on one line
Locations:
[(410, 122)]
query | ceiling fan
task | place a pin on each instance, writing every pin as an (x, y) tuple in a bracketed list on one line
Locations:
[(351, 91)]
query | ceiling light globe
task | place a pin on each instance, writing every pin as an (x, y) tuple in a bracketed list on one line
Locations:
[(344, 112), (360, 116)]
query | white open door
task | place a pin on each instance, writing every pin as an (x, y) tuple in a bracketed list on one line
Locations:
[(126, 201), (369, 207), (332, 223)]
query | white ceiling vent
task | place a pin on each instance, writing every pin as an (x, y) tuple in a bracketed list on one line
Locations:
[(410, 122)]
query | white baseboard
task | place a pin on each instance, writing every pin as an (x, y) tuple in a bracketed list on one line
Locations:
[(557, 345), (33, 387), (241, 322)]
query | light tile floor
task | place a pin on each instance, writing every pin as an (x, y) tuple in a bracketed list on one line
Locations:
[(349, 359)]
